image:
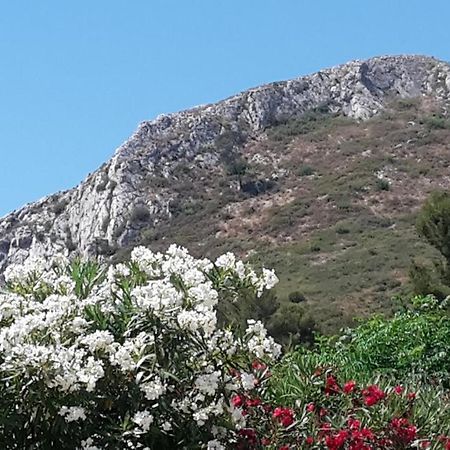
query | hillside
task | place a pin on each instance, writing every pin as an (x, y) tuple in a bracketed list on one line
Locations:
[(318, 177)]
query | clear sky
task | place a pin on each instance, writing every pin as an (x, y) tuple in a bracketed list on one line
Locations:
[(76, 77)]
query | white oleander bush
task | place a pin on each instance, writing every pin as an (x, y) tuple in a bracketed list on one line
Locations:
[(128, 356)]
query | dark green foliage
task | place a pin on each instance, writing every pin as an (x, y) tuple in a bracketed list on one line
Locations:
[(140, 213), (257, 187), (309, 122), (433, 222), (428, 279), (436, 122), (236, 165), (296, 297), (305, 171), (433, 225), (291, 325), (236, 314), (415, 341), (228, 140), (382, 184)]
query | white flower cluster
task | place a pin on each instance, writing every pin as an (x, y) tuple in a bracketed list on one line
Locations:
[(145, 332)]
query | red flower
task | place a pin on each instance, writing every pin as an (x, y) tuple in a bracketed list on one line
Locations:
[(425, 444), (367, 434), (331, 386), (398, 390), (248, 438), (253, 402), (349, 386), (237, 401), (310, 407), (323, 412), (372, 395), (412, 396), (284, 415), (284, 447), (403, 430), (337, 440), (259, 366), (309, 440), (354, 424)]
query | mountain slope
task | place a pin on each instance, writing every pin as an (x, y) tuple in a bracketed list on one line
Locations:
[(317, 176)]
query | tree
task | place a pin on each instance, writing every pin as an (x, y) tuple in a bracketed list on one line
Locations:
[(433, 222), (433, 225)]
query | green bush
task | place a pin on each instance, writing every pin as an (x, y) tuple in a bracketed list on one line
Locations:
[(415, 340), (382, 184), (140, 213), (305, 171), (296, 297)]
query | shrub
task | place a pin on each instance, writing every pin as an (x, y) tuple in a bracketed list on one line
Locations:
[(382, 184), (311, 407), (140, 213), (305, 171), (126, 357), (415, 340), (436, 123), (296, 297)]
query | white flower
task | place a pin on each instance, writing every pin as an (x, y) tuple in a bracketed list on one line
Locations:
[(208, 383), (72, 413), (248, 381), (153, 389), (143, 419), (124, 331), (88, 445), (99, 340), (215, 445), (226, 261), (91, 372)]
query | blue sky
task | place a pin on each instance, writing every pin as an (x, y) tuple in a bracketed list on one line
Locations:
[(76, 77)]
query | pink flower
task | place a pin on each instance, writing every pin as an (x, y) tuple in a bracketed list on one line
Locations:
[(399, 389), (310, 407)]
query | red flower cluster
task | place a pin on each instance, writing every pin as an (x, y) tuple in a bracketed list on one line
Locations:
[(353, 437), (276, 427), (349, 387), (247, 438), (372, 395), (403, 431), (284, 415)]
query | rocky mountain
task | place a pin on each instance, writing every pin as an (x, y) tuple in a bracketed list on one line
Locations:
[(318, 177)]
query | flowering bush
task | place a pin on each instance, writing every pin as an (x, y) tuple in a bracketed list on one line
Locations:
[(333, 415), (129, 357)]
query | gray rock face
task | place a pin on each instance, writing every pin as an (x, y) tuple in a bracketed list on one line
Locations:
[(103, 213)]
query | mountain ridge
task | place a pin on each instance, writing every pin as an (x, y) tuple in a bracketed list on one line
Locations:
[(140, 190)]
